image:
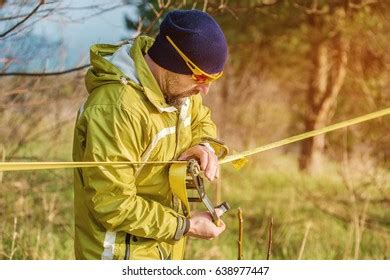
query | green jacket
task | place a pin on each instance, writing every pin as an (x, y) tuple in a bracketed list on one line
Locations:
[(130, 213)]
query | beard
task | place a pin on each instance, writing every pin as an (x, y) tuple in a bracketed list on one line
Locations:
[(177, 99), (173, 95)]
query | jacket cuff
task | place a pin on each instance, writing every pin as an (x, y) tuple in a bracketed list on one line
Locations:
[(219, 148), (188, 224), (181, 228)]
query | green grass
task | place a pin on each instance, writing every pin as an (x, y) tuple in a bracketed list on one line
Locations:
[(292, 200), (37, 215)]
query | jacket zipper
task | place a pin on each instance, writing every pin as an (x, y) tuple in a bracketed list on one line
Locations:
[(177, 134), (127, 251), (175, 199)]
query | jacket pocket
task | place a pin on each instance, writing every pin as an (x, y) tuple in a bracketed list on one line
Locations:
[(145, 249)]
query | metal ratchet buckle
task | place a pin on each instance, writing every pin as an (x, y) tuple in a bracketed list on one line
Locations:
[(194, 180)]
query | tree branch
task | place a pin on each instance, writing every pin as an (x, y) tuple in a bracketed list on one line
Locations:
[(49, 12), (269, 250), (41, 2), (313, 10), (240, 234), (89, 8), (45, 74), (362, 4), (157, 16)]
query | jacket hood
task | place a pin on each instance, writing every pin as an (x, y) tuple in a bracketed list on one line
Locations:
[(112, 63), (125, 64)]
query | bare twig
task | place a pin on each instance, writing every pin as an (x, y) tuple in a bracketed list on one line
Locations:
[(269, 250), (231, 12), (2, 149), (204, 5), (362, 223), (346, 175), (308, 226), (240, 235), (162, 6), (154, 9), (214, 6), (23, 20), (158, 15), (14, 235), (99, 12), (27, 26), (313, 10), (361, 4), (62, 9), (45, 74)]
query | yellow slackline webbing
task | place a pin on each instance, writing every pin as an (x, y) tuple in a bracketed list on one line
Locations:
[(19, 166), (15, 166), (306, 135), (177, 181)]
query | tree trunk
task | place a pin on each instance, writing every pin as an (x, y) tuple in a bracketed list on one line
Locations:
[(329, 60)]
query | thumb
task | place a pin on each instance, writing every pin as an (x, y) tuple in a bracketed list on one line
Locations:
[(222, 225)]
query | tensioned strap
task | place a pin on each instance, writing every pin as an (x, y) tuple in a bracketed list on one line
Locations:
[(14, 166), (177, 181), (306, 135), (17, 166)]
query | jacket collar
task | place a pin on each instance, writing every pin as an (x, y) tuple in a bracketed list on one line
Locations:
[(151, 88)]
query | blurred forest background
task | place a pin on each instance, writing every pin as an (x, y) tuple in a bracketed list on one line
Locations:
[(294, 66)]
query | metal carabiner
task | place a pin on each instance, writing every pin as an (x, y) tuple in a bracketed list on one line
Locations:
[(195, 181)]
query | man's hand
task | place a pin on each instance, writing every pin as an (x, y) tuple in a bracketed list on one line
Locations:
[(202, 226), (207, 159)]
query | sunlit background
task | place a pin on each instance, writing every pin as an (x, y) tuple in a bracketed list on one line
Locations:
[(294, 66)]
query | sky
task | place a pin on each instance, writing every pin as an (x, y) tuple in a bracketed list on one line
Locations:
[(69, 34)]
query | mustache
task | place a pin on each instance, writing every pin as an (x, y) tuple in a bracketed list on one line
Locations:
[(178, 99), (188, 93)]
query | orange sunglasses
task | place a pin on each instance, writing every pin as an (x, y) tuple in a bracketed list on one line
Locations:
[(198, 74)]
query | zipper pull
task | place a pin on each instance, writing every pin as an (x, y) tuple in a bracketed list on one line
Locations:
[(123, 80)]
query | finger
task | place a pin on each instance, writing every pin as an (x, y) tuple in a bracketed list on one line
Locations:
[(212, 169), (221, 226), (204, 160), (183, 156)]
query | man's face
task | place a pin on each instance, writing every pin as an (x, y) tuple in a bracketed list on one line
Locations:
[(177, 87)]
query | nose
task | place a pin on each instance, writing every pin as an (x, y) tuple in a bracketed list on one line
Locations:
[(203, 88)]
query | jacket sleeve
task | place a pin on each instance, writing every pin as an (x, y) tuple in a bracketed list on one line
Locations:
[(113, 134), (203, 128)]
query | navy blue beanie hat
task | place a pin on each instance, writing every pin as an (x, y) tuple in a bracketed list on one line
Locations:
[(197, 35)]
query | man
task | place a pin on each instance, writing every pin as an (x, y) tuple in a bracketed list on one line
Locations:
[(144, 105)]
